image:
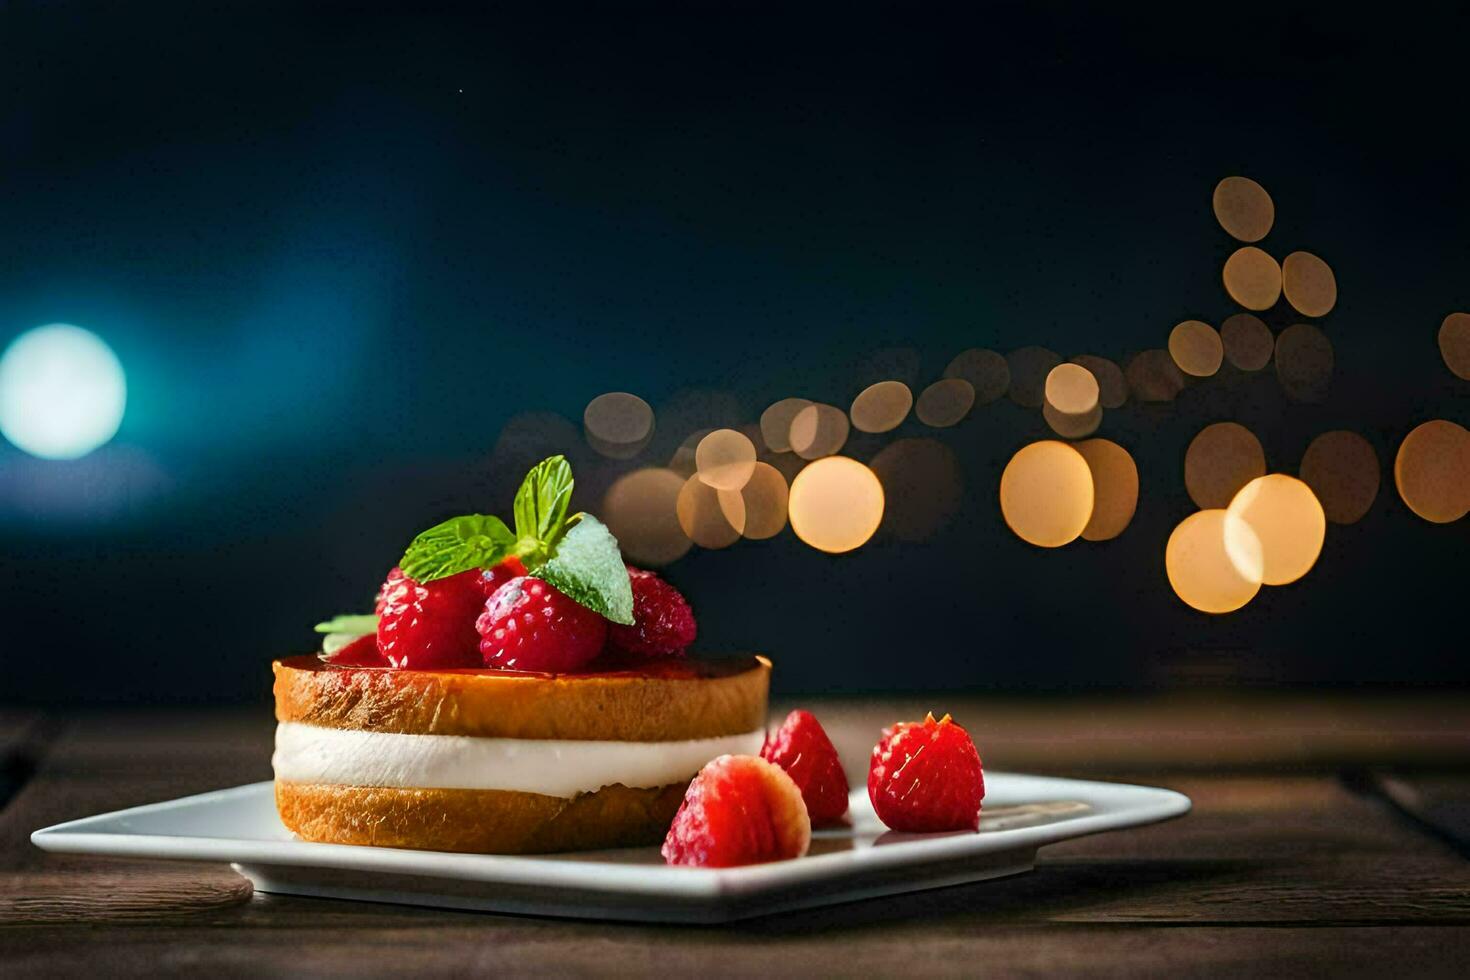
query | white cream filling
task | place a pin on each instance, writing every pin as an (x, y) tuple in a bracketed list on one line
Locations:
[(311, 754)]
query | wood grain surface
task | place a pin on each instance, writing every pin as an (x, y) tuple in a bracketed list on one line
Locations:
[(1284, 867)]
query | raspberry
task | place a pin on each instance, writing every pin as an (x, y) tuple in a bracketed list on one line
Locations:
[(802, 748), (925, 776), (431, 625), (361, 652), (663, 624), (394, 580), (738, 810), (506, 570), (529, 625)]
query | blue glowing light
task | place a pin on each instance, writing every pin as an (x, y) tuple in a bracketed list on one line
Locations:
[(62, 392)]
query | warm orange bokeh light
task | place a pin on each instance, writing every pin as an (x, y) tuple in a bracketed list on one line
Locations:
[(922, 487), (1046, 494), (1342, 470), (945, 402), (819, 430), (987, 372), (1289, 526), (1243, 208), (725, 459), (881, 407), (1248, 342), (776, 423), (1071, 389), (1200, 570), (710, 518), (836, 504), (1196, 348), (1029, 367), (1154, 377), (1454, 344), (1115, 488), (1072, 426), (1309, 284), (1432, 471), (1220, 460), (640, 510), (1112, 387), (1252, 278), (765, 499)]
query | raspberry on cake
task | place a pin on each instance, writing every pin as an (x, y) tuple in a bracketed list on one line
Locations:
[(663, 624), (925, 777)]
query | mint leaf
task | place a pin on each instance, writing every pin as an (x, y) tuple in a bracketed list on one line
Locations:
[(355, 625), (542, 501), (589, 568), (457, 545)]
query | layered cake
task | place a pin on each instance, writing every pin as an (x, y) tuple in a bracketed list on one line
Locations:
[(504, 762), (514, 691)]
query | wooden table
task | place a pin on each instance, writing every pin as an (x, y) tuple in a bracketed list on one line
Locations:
[(1299, 858)]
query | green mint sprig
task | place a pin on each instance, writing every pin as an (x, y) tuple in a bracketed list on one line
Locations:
[(578, 555), (354, 625)]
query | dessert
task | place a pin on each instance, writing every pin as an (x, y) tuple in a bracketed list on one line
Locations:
[(739, 810), (925, 777), (801, 747), (514, 692)]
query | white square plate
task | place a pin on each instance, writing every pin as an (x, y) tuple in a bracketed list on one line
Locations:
[(865, 860)]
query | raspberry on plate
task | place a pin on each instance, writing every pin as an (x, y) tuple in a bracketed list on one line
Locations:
[(530, 625), (925, 776), (802, 748), (391, 584), (430, 625), (663, 623), (738, 810)]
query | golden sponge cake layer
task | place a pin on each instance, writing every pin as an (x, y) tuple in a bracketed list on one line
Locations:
[(672, 701), (478, 821)]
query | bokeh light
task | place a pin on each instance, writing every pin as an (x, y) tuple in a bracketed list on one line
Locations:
[(881, 407), (1304, 362), (1046, 494), (1112, 387), (1454, 344), (1196, 348), (724, 459), (618, 417), (765, 498), (1154, 377), (1029, 367), (1071, 389), (1342, 470), (640, 509), (922, 487), (1248, 341), (707, 519), (1432, 471), (1243, 208), (836, 504), (819, 430), (1072, 426), (1309, 284), (62, 392), (1200, 570), (1114, 488), (1289, 528), (988, 373), (776, 423), (946, 402), (1221, 459), (1252, 278)]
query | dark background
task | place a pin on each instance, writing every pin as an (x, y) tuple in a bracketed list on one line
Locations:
[(363, 264)]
